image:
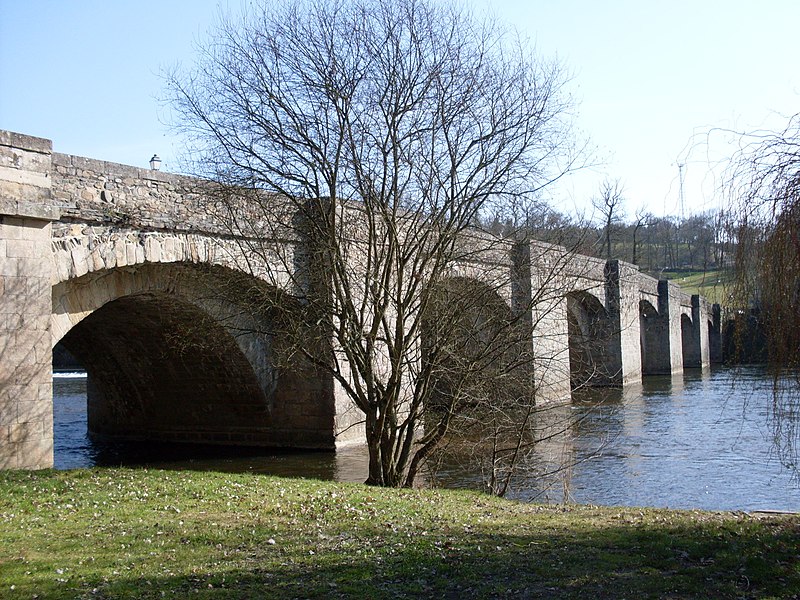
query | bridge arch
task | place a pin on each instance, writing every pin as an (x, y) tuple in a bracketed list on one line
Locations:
[(469, 328), (75, 256), (588, 332), (170, 356), (651, 336), (689, 345)]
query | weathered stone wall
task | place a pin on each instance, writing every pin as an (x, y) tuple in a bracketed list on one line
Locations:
[(89, 190), (114, 216), (648, 286)]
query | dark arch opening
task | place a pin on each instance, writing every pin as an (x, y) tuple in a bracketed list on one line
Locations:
[(714, 350), (654, 340), (744, 339), (470, 343), (588, 331), (161, 369), (689, 346), (189, 354), (63, 360)]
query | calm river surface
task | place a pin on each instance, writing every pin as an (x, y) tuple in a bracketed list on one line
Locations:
[(701, 440)]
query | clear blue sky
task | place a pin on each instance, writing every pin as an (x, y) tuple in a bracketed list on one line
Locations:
[(648, 76)]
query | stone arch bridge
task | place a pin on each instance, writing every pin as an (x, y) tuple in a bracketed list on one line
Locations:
[(136, 305)]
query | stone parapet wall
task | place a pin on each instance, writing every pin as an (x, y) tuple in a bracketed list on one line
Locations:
[(648, 285), (685, 300), (96, 191), (25, 181)]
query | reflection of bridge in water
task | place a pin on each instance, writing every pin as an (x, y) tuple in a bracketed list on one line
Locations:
[(115, 264)]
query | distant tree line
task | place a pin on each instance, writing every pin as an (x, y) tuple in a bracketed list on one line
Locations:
[(701, 242)]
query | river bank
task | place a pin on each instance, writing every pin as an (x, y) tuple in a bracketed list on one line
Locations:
[(141, 533)]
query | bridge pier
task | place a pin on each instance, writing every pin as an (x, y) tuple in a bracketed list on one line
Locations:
[(661, 333), (538, 287), (696, 352), (715, 335), (551, 367), (622, 304), (26, 384)]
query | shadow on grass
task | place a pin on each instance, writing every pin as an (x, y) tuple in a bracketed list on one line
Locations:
[(747, 558)]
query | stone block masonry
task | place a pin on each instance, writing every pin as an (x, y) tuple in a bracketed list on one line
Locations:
[(89, 190), (26, 410)]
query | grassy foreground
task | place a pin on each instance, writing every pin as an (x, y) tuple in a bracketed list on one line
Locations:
[(128, 533)]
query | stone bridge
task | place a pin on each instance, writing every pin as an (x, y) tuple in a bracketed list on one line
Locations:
[(119, 266)]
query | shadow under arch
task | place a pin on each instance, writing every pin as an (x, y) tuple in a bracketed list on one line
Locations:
[(180, 353), (652, 333), (589, 332), (689, 349), (470, 338)]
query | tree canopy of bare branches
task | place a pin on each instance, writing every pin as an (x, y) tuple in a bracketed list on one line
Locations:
[(392, 127), (609, 204)]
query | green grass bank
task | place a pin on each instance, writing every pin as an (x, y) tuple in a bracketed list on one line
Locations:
[(136, 533), (715, 284)]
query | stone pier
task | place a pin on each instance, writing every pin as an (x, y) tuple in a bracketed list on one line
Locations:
[(26, 214)]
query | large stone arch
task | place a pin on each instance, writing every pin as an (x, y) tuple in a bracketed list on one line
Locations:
[(171, 355), (589, 337)]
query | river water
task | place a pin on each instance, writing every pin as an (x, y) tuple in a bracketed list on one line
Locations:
[(700, 440)]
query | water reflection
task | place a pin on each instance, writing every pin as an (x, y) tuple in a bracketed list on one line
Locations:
[(73, 448), (700, 440)]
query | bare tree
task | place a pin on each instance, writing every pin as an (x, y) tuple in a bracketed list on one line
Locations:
[(378, 133), (721, 232), (642, 219), (763, 183), (609, 204)]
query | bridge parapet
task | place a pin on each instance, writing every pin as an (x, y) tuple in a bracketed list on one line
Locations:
[(114, 215), (648, 286), (589, 274), (95, 191)]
